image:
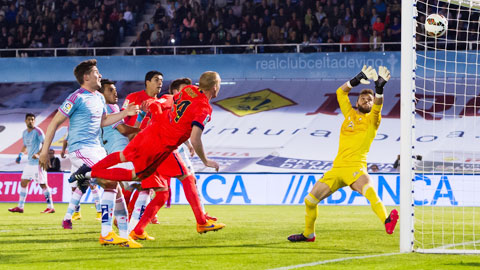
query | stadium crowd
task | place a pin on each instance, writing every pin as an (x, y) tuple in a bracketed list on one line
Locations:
[(85, 24)]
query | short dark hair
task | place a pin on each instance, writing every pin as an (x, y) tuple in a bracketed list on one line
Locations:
[(104, 82), (176, 84), (29, 115), (84, 68), (151, 74), (367, 92)]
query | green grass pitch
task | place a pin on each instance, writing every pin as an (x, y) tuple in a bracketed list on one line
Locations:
[(254, 238)]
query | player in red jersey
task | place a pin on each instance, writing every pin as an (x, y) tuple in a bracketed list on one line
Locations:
[(173, 166), (190, 112), (153, 85)]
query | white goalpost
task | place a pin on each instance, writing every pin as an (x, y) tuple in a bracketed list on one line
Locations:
[(440, 129)]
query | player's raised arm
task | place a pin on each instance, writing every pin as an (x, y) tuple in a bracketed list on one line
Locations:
[(57, 120), (113, 118), (363, 77), (380, 81)]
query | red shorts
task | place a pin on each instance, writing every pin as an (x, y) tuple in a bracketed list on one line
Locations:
[(147, 151), (156, 180), (173, 166)]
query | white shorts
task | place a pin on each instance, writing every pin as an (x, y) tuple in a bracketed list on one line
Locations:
[(36, 173), (87, 156)]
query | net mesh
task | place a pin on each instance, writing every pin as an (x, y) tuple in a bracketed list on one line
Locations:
[(447, 139)]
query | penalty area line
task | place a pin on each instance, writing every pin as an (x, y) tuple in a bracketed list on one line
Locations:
[(335, 260)]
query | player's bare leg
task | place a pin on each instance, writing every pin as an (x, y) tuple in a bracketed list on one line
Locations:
[(364, 187), (319, 192)]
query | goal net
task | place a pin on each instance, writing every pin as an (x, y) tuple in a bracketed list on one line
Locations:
[(443, 147)]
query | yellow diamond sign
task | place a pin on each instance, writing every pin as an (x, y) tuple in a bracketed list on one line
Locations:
[(255, 102)]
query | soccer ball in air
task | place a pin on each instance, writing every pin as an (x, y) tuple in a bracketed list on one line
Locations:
[(436, 25)]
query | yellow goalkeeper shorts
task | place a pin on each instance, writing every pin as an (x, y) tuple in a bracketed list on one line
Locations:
[(337, 178)]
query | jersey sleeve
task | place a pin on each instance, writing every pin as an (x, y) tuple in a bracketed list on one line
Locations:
[(110, 109), (202, 117), (41, 135), (70, 105), (343, 101), (376, 115)]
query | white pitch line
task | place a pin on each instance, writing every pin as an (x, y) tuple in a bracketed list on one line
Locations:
[(334, 260)]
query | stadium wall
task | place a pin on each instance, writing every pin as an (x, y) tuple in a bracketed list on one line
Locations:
[(273, 189), (326, 66)]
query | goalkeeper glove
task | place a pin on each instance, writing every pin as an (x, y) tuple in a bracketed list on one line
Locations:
[(363, 77), (383, 77)]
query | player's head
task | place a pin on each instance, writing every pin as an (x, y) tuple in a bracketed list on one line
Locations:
[(30, 120), (51, 153), (210, 82), (178, 85), (153, 82), (109, 91), (87, 74), (365, 101)]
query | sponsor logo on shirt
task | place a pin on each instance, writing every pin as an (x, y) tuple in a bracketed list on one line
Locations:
[(206, 119), (67, 107)]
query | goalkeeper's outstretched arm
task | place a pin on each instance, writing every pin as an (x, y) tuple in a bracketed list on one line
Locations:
[(363, 77), (380, 80)]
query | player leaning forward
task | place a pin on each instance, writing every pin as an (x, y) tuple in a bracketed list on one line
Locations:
[(190, 112), (350, 166)]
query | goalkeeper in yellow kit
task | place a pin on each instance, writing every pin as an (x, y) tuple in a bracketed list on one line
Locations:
[(350, 166)]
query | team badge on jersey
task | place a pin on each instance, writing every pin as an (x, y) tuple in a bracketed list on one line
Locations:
[(67, 107), (125, 104)]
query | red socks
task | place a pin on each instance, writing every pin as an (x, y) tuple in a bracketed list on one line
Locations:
[(131, 204), (190, 189), (108, 161), (100, 169), (126, 195), (113, 174), (150, 211)]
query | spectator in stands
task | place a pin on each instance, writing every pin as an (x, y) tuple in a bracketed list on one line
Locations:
[(346, 39), (157, 36), (379, 26), (375, 41), (237, 9), (144, 35), (233, 31), (273, 33), (128, 17), (361, 38), (189, 21), (73, 45), (380, 7), (54, 161), (338, 30), (65, 18), (159, 12)]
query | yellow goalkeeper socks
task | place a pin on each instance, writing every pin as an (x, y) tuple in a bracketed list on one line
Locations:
[(310, 215), (375, 202)]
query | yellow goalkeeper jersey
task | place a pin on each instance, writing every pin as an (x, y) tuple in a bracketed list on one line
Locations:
[(356, 134)]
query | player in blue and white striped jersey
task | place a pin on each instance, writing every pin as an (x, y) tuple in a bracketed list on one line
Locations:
[(32, 141), (86, 109)]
